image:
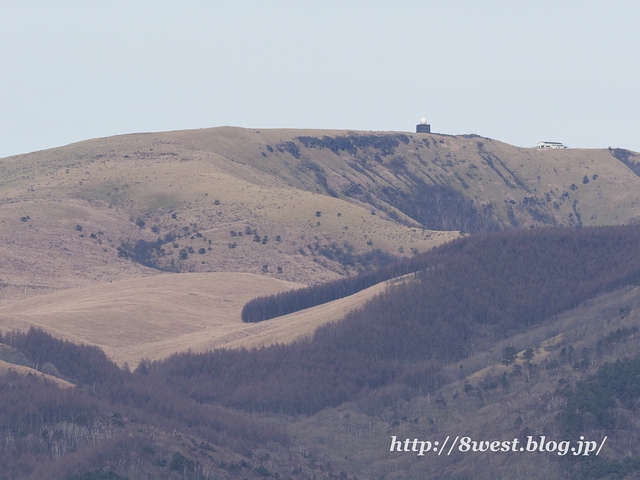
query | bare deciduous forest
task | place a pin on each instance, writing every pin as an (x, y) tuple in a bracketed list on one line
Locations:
[(464, 296)]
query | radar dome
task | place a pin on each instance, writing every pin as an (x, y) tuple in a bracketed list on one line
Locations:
[(423, 120)]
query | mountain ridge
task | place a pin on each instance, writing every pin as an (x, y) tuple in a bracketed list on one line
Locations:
[(149, 244), (304, 206)]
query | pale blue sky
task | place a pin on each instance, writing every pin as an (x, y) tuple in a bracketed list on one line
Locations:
[(516, 71)]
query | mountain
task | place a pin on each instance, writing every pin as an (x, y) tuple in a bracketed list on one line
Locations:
[(129, 259), (478, 347), (96, 218), (300, 205)]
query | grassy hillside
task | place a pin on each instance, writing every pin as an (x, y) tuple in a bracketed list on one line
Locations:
[(66, 212), (154, 317), (496, 185), (318, 204), (302, 206)]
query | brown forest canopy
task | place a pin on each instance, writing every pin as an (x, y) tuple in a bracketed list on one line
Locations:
[(473, 290), (560, 253)]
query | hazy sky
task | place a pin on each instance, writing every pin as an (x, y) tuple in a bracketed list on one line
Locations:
[(516, 71)]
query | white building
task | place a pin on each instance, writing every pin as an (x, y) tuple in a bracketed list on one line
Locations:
[(550, 145)]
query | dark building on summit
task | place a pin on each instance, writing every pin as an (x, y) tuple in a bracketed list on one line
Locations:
[(423, 126)]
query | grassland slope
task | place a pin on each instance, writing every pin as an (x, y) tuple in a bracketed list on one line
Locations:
[(154, 317), (300, 205), (145, 317), (78, 215)]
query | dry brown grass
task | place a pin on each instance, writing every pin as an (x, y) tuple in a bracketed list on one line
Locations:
[(131, 319), (47, 253), (22, 370), (156, 316), (207, 179), (218, 181)]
